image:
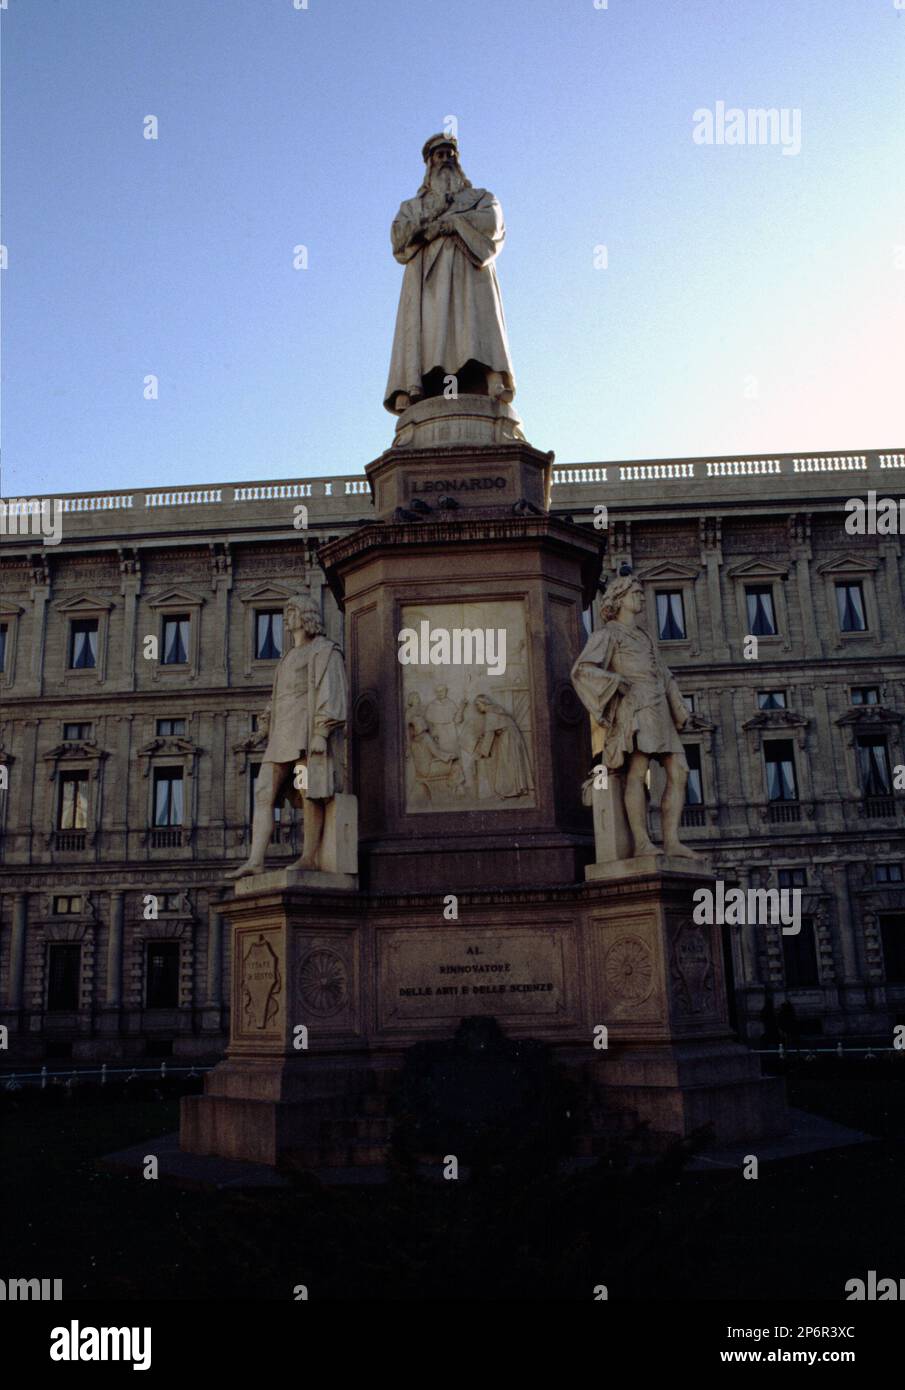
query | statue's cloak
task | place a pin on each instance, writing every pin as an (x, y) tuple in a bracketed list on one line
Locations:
[(450, 310), (309, 698), (648, 715)]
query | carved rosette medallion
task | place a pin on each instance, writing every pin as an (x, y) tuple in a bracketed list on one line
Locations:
[(322, 982), (629, 970)]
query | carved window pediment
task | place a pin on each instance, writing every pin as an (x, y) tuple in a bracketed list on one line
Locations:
[(249, 747), (888, 897), (274, 595), (257, 599), (763, 570), (176, 598), (169, 747), (87, 603), (168, 604), (669, 570), (699, 730), (697, 724), (67, 931), (163, 930), (848, 564), (870, 717), (771, 720), (768, 722), (82, 751)]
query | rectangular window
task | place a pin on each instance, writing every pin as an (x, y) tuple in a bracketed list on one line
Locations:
[(168, 803), (873, 765), (670, 615), (694, 787), (892, 934), (72, 811), (162, 975), (887, 873), (865, 694), (64, 968), (83, 644), (779, 757), (269, 635), (792, 878), (67, 905), (689, 700), (76, 733), (771, 699), (850, 608), (3, 631), (800, 957), (176, 640), (761, 617), (166, 727)]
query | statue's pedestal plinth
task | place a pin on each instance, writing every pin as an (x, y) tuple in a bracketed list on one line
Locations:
[(272, 880), (331, 987), (660, 989), (638, 866), (439, 421)]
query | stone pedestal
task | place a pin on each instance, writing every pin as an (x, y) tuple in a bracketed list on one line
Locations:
[(437, 422), (464, 545), (367, 976), (612, 836), (660, 990), (473, 839)]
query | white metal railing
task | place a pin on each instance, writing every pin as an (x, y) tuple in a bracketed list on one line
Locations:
[(182, 499), (829, 463), (264, 492), (733, 468)]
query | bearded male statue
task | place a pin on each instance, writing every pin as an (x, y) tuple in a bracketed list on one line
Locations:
[(450, 320)]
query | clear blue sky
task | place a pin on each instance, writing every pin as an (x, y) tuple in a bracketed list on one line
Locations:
[(752, 302)]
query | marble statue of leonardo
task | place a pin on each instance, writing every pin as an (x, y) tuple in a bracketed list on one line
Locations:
[(450, 320)]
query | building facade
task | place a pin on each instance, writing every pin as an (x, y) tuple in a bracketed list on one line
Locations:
[(137, 657)]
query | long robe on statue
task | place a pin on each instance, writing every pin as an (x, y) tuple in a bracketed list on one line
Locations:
[(309, 699), (504, 747), (450, 309)]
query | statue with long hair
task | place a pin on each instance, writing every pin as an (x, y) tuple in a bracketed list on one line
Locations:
[(636, 713), (450, 320)]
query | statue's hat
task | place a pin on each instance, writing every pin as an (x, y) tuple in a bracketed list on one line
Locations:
[(436, 140)]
